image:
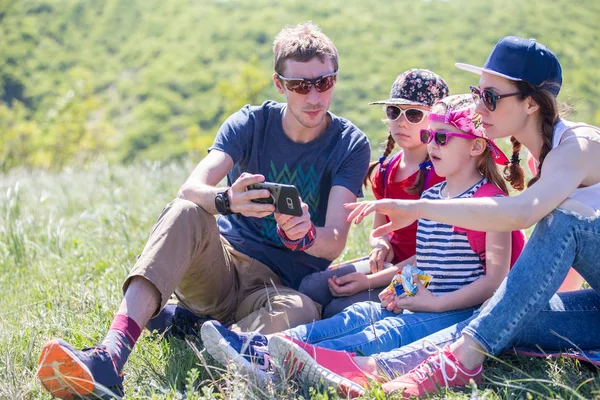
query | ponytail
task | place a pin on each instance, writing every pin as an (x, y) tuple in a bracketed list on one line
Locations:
[(513, 172), (389, 146), (489, 169), (549, 114), (419, 185)]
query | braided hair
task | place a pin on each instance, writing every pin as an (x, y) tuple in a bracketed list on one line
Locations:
[(550, 112), (513, 172), (389, 146)]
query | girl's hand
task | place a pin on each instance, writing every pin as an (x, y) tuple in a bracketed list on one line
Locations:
[(388, 297), (400, 212), (423, 301), (347, 285), (379, 255)]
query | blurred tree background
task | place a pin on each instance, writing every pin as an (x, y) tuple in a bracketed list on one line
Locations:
[(148, 79)]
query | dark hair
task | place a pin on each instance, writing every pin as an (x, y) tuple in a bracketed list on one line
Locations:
[(419, 184), (513, 172), (550, 111)]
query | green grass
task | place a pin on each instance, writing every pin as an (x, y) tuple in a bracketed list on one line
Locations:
[(67, 241)]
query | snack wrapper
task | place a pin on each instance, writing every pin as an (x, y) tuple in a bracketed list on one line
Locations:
[(403, 282)]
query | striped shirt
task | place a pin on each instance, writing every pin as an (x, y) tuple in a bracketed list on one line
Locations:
[(445, 254)]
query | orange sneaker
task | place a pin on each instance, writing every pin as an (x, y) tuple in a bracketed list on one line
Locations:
[(441, 369), (68, 373)]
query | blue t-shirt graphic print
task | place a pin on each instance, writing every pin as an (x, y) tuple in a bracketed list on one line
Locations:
[(255, 140)]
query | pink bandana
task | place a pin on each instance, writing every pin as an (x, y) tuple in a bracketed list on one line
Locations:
[(460, 119), (466, 120)]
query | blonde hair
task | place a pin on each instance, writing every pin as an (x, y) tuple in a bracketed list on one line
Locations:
[(302, 43)]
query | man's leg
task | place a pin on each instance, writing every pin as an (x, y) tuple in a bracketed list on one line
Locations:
[(184, 247), (274, 309)]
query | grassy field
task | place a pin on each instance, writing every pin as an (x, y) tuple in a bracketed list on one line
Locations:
[(67, 241)]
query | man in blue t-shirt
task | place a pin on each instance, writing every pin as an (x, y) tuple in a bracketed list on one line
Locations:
[(246, 266)]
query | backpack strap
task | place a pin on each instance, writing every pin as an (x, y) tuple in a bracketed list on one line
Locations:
[(477, 239), (428, 177), (429, 172), (388, 169)]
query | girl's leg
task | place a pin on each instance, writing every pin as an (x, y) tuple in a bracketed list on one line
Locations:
[(395, 331), (338, 304), (351, 320), (399, 361), (559, 240)]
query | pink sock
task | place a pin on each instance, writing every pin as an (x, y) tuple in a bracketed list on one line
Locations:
[(120, 339)]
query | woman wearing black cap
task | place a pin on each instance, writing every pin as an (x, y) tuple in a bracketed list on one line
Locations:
[(516, 98)]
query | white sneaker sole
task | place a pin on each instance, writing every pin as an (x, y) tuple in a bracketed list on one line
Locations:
[(307, 369), (218, 347)]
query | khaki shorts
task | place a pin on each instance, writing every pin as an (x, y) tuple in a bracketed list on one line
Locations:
[(187, 256)]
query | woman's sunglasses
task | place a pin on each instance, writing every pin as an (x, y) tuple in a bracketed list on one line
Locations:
[(441, 137), (489, 98), (412, 115), (303, 85)]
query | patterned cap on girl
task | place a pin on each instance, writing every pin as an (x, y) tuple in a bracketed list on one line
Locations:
[(418, 87)]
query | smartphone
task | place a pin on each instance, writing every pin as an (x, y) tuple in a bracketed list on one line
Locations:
[(285, 198)]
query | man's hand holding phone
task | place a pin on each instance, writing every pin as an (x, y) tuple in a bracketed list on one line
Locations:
[(295, 227), (251, 196), (241, 199)]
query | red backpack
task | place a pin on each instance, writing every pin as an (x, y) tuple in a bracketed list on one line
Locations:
[(477, 239)]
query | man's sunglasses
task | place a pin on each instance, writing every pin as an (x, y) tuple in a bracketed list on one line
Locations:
[(412, 115), (441, 137), (303, 85), (489, 98)]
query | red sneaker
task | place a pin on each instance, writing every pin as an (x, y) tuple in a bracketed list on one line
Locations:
[(439, 370), (316, 365)]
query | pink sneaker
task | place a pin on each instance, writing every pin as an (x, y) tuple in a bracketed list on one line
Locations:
[(316, 366), (439, 370)]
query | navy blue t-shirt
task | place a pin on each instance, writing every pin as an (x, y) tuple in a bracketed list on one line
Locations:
[(255, 140)]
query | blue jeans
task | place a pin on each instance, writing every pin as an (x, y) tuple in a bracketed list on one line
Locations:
[(525, 311), (367, 328)]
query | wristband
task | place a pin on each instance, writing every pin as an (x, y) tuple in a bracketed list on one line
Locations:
[(300, 244)]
